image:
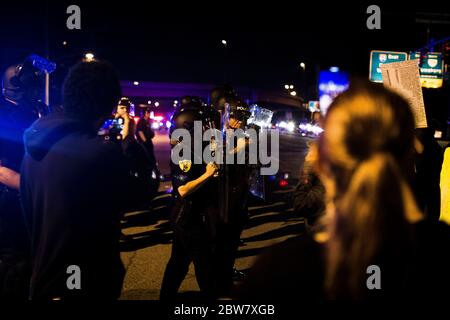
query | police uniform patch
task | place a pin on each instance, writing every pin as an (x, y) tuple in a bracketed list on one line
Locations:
[(185, 165)]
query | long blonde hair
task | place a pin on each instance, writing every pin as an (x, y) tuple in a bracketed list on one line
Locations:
[(366, 160)]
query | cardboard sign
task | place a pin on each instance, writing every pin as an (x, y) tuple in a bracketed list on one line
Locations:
[(404, 78)]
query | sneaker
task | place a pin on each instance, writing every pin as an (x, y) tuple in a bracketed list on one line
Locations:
[(239, 275)]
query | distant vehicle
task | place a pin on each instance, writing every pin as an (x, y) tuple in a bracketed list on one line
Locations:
[(288, 120), (288, 126), (279, 187), (310, 130), (159, 122)]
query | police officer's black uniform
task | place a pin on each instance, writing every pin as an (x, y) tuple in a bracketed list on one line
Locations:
[(229, 231), (193, 218)]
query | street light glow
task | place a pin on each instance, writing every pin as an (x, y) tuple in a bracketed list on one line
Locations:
[(286, 86), (291, 87), (136, 83), (334, 69), (302, 65), (89, 56), (293, 93), (156, 104), (224, 42)]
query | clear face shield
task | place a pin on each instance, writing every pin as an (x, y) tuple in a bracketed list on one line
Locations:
[(260, 117), (24, 82)]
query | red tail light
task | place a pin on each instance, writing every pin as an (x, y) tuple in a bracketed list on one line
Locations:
[(283, 183)]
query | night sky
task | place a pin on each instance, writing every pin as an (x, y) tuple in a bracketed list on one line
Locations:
[(175, 43)]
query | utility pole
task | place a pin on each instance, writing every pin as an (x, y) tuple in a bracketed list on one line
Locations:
[(47, 56)]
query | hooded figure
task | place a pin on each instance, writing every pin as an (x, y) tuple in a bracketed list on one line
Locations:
[(73, 190)]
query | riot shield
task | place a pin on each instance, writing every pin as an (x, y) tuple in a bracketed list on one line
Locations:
[(223, 172), (260, 119)]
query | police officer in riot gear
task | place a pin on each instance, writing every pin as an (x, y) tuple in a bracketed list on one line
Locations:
[(21, 106), (219, 95), (194, 213), (238, 177)]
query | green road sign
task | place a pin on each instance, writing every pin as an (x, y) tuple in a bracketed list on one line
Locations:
[(377, 58), (431, 69)]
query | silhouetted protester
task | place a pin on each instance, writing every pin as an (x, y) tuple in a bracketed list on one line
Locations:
[(375, 242), (145, 134), (21, 89), (309, 194), (428, 164), (73, 186), (143, 170)]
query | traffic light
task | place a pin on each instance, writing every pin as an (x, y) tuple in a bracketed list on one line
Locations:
[(446, 48), (422, 58), (446, 57)]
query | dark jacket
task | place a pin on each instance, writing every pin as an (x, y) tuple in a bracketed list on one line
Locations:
[(72, 186), (14, 240), (428, 166), (309, 197), (14, 119)]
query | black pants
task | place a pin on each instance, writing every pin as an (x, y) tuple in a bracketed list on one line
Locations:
[(15, 258), (228, 237), (15, 273), (190, 244), (150, 152)]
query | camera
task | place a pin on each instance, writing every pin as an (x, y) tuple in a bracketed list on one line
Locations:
[(111, 129)]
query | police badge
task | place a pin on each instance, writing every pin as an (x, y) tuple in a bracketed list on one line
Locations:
[(185, 165)]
